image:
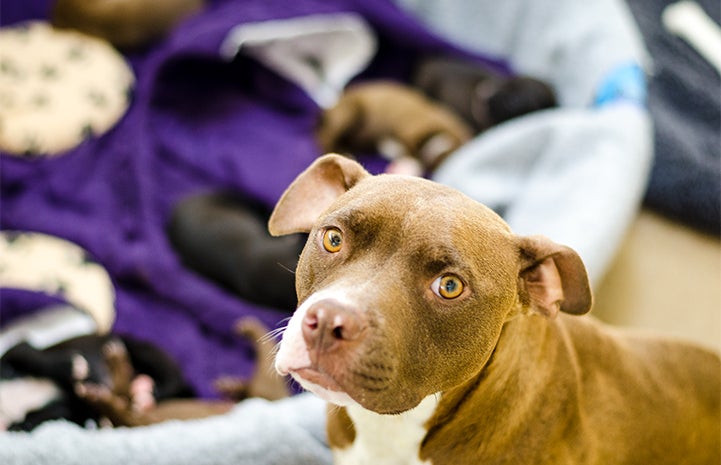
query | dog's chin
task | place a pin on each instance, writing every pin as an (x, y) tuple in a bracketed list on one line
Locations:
[(323, 386)]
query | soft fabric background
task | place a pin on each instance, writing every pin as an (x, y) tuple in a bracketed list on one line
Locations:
[(198, 122)]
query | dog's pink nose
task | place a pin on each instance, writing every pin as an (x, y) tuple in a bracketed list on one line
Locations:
[(328, 324)]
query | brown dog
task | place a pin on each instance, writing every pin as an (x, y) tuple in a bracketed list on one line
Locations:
[(443, 338), (395, 120)]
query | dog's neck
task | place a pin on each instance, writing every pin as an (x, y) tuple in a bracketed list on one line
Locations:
[(528, 353), (434, 427), (387, 439)]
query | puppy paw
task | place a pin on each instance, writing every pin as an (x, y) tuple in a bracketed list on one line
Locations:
[(118, 361), (114, 351), (80, 368), (141, 393), (100, 397)]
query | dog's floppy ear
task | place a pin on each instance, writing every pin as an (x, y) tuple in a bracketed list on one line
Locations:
[(553, 278), (312, 192)]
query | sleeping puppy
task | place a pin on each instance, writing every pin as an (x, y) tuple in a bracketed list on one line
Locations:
[(395, 120), (116, 403), (133, 383), (84, 359), (124, 23), (224, 238), (481, 96)]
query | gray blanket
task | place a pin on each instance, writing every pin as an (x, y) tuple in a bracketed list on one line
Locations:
[(286, 432)]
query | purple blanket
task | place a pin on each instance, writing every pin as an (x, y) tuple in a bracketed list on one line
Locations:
[(196, 123)]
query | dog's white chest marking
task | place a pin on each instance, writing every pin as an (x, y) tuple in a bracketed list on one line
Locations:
[(387, 439)]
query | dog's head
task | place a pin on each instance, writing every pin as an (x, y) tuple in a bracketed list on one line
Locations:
[(404, 285)]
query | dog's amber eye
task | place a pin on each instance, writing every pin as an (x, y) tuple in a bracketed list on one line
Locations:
[(448, 286), (332, 240)]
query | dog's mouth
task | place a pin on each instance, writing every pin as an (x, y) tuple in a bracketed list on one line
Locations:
[(322, 385), (313, 376), (326, 360)]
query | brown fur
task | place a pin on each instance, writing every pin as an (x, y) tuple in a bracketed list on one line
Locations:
[(519, 382), (123, 23), (341, 432), (369, 113), (582, 393)]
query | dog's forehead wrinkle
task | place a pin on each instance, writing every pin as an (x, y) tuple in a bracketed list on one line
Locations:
[(433, 258), (414, 201), (352, 219)]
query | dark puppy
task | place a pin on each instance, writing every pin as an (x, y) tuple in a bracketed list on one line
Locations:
[(117, 403), (224, 238), (482, 97), (133, 383), (84, 359)]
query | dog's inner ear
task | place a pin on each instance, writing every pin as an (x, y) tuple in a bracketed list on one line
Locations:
[(553, 278), (312, 192)]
